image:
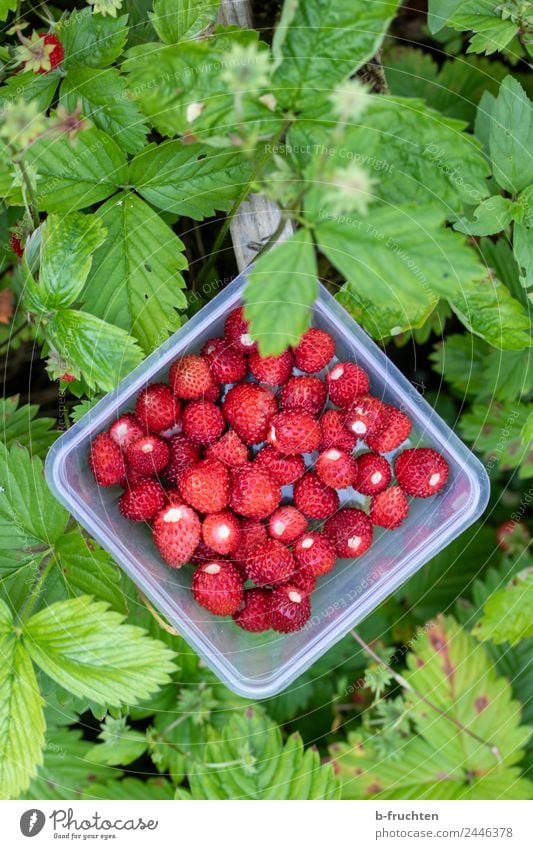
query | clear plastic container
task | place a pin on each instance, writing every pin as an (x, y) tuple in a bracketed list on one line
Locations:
[(261, 665)]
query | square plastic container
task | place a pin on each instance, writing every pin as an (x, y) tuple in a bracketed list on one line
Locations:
[(261, 665)]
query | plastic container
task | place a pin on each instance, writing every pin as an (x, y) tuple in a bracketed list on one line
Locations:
[(260, 665)]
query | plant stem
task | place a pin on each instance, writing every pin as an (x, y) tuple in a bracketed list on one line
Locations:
[(42, 574), (403, 682), (161, 622)]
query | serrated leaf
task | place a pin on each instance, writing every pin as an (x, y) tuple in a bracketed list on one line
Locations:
[(101, 352), (135, 281), (121, 745), (281, 289), (507, 375), (507, 613), (193, 180), (21, 708), (130, 788), (29, 86), (483, 17), (19, 424), (182, 21), (460, 358), (483, 426), (490, 217), (439, 13), (7, 6), (498, 256), (523, 253), (89, 650), (90, 40), (511, 137)]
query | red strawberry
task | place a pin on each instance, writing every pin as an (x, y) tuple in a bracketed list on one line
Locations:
[(229, 449), (334, 434), (350, 531), (126, 430), (15, 244), (255, 493), (106, 461), (272, 370), (157, 407), (221, 532), (190, 377), (421, 471), (203, 422), (314, 498), (287, 524), (173, 495), (218, 587), (202, 553), (205, 486), (304, 580), (512, 536), (236, 332), (290, 608), (314, 351), (294, 432), (148, 455), (373, 473), (269, 563), (303, 393), (395, 428), (213, 393), (284, 468), (176, 531), (248, 408), (41, 52), (226, 363), (336, 468), (182, 455), (253, 533), (365, 416), (133, 477), (345, 382), (141, 502), (389, 508), (255, 614), (316, 552)]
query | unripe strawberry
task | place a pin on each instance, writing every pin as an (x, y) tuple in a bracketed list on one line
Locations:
[(218, 586), (176, 531), (351, 532), (236, 332), (290, 608), (275, 371), (205, 486), (336, 468), (314, 351), (203, 423), (148, 455), (307, 394), (221, 532), (106, 461), (345, 382), (287, 524), (313, 498), (373, 473), (157, 408), (141, 502), (248, 408), (190, 377)]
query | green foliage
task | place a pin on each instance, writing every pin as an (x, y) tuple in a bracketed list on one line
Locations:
[(507, 613), (89, 40), (184, 21), (19, 424)]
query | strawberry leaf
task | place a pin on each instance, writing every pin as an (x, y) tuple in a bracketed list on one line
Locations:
[(19, 424), (175, 22), (89, 40), (507, 613)]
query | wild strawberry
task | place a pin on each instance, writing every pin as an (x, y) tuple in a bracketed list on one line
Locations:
[(213, 393), (512, 536), (248, 408), (255, 494), (203, 423), (221, 532), (157, 407), (203, 553), (229, 449), (67, 377), (350, 531), (314, 351), (270, 563), (284, 468), (218, 586), (345, 382), (290, 608), (148, 455), (15, 244), (313, 498), (140, 503), (182, 455), (303, 579), (133, 477), (303, 393), (173, 495), (176, 531), (190, 377), (236, 332), (205, 486), (294, 432), (373, 473), (253, 533), (334, 434), (226, 363), (389, 508), (106, 461), (272, 370), (365, 416), (41, 53), (336, 468), (287, 524), (421, 471), (316, 552), (126, 430), (395, 428), (254, 615)]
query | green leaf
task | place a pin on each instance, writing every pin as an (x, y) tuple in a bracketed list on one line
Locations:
[(523, 252), (281, 289), (136, 280), (90, 651), (184, 20), (101, 352), (7, 6), (121, 744), (484, 427), (105, 102), (31, 520), (249, 761), (131, 788), (498, 256), (326, 42), (29, 86), (507, 613), (73, 175), (440, 12), (484, 18), (491, 216), (21, 712), (460, 358), (19, 424), (193, 180), (511, 137), (90, 40)]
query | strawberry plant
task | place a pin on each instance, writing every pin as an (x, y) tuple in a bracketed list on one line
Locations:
[(397, 146)]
